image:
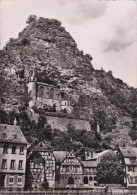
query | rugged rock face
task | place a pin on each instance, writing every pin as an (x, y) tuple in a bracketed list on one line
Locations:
[(46, 46)]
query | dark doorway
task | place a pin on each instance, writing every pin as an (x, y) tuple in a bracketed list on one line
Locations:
[(70, 180), (85, 180), (2, 180)]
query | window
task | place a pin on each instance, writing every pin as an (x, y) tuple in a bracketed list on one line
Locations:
[(21, 150), (13, 150), (19, 180), (11, 179), (132, 159), (12, 164), (95, 178), (20, 164), (5, 149), (15, 136), (70, 168), (4, 135), (130, 168), (4, 164), (85, 180), (38, 176), (41, 92), (90, 178), (87, 154)]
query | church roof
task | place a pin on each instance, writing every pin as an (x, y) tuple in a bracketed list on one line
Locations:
[(12, 133)]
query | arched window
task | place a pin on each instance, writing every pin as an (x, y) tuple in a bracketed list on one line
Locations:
[(51, 93), (41, 92), (85, 180), (70, 180), (90, 178)]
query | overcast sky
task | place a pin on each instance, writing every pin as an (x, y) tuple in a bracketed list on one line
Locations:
[(106, 29)]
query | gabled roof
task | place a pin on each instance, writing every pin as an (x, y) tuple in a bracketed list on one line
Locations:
[(37, 158), (60, 155), (128, 151), (41, 146), (12, 133), (71, 155), (89, 163)]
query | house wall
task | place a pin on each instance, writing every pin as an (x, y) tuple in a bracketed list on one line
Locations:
[(78, 180), (131, 177), (16, 172), (15, 183), (38, 174), (9, 156)]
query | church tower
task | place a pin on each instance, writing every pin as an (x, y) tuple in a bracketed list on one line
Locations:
[(32, 89)]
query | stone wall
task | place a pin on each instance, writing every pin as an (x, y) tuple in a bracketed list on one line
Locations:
[(61, 123)]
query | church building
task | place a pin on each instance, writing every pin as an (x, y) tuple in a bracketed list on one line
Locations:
[(44, 94)]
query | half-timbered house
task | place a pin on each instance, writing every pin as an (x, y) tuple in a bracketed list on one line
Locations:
[(71, 170), (41, 162)]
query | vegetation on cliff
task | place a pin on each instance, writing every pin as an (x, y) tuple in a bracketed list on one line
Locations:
[(97, 96)]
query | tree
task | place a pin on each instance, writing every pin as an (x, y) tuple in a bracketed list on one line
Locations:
[(31, 18), (41, 121), (109, 169)]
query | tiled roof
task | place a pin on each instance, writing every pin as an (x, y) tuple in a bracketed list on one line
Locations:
[(60, 155), (128, 152), (12, 133), (89, 163)]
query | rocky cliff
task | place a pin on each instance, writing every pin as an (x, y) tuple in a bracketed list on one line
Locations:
[(97, 96)]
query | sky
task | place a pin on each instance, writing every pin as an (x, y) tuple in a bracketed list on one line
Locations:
[(105, 29)]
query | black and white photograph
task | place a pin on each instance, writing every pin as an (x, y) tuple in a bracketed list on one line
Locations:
[(68, 97)]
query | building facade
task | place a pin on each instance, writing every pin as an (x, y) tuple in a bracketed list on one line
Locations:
[(89, 173), (13, 148), (73, 173), (43, 94), (128, 159), (71, 170), (41, 162)]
